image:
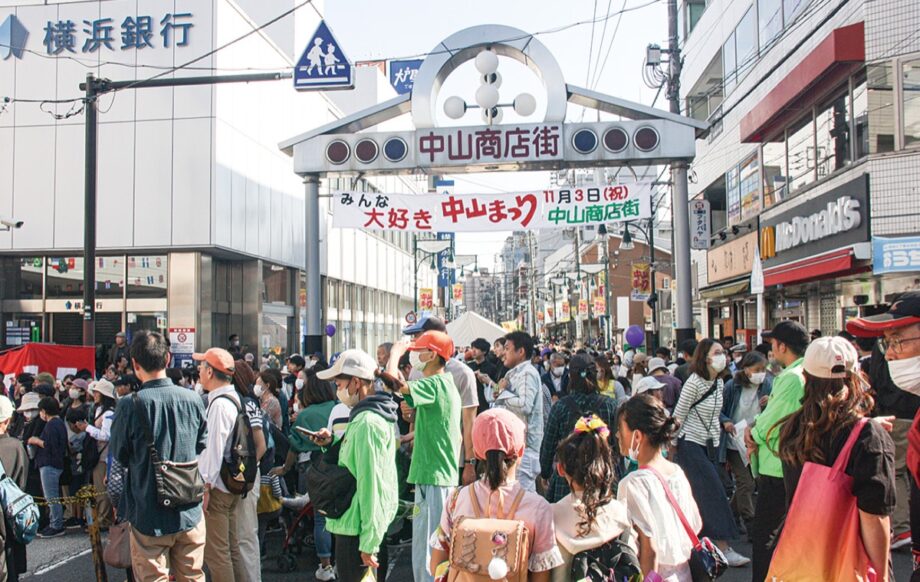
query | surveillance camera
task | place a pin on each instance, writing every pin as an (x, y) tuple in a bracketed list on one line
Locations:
[(10, 223)]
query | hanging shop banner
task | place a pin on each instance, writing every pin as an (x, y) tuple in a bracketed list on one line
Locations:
[(510, 326), (641, 282), (895, 255), (535, 210), (540, 316), (425, 298), (458, 293), (565, 312), (551, 314), (700, 225), (582, 308), (600, 304)]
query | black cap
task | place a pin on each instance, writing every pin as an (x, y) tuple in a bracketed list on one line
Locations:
[(298, 360), (44, 389), (904, 311), (789, 332), (581, 362), (481, 344)]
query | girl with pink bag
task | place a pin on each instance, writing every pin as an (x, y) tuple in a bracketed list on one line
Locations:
[(839, 473)]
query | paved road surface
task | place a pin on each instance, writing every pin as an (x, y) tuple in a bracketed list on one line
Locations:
[(67, 558)]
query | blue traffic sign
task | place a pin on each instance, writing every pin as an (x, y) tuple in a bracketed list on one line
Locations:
[(402, 75), (323, 64)]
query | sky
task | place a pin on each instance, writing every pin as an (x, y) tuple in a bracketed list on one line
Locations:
[(375, 29)]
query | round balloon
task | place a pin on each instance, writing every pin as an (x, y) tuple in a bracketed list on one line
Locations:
[(635, 336), (330, 330)]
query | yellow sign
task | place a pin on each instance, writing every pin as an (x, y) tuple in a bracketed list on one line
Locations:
[(458, 293), (600, 304), (641, 282), (583, 308), (425, 298), (767, 242), (510, 326)]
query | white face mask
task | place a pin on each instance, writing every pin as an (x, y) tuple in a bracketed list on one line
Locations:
[(718, 362), (416, 360), (906, 374), (347, 398), (309, 364), (258, 390), (558, 371), (633, 449), (74, 393), (30, 414), (199, 388), (757, 378)]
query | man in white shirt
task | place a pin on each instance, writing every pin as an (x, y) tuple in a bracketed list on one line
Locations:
[(222, 551)]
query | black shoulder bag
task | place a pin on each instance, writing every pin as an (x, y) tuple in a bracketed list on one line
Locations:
[(178, 485), (330, 486)]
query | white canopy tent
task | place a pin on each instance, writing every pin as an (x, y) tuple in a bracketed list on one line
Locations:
[(470, 326)]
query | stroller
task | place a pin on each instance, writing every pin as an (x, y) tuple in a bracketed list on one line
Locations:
[(297, 517), (296, 514)]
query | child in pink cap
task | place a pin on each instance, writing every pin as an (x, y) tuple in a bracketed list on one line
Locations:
[(498, 443)]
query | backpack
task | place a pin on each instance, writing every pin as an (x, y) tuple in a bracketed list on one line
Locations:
[(614, 560), (330, 486), (19, 508), (239, 465), (485, 548)]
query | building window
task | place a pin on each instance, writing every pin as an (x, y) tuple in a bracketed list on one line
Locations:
[(749, 185), (147, 276), (770, 17), (729, 64), (873, 111), (732, 196), (21, 277), (110, 277), (774, 173), (910, 86), (691, 14), (791, 9), (746, 43), (832, 132), (801, 147), (65, 277)]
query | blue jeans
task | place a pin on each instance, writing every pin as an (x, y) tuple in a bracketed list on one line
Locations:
[(51, 487), (322, 539), (430, 502)]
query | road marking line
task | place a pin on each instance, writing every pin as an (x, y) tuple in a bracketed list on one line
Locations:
[(46, 569)]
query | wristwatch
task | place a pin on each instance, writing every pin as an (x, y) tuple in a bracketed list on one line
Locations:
[(469, 462)]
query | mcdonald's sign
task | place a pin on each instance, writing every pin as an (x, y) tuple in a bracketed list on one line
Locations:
[(767, 242)]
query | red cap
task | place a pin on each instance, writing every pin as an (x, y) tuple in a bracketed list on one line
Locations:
[(436, 341), (218, 358), (498, 429)]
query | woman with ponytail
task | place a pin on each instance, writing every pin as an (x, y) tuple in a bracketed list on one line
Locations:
[(589, 516), (498, 443), (664, 546)]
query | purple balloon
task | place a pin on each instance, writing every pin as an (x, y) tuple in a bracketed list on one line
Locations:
[(635, 336), (330, 330)]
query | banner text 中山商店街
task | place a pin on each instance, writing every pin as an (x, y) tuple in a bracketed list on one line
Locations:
[(538, 209)]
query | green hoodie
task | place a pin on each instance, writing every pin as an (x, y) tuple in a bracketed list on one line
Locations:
[(786, 398), (368, 450), (313, 418)]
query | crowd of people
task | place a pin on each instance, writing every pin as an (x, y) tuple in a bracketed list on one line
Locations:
[(518, 458)]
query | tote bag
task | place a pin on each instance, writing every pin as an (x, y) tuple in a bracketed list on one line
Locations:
[(821, 538)]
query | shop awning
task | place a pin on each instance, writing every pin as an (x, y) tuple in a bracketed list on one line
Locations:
[(726, 289), (832, 263), (827, 65)]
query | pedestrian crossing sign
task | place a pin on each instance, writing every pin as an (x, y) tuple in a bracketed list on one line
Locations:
[(323, 64)]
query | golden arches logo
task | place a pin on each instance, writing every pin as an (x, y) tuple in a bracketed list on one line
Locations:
[(767, 242)]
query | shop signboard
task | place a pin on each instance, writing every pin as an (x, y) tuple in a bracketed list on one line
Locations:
[(732, 259), (895, 255), (700, 224), (811, 226), (641, 282), (539, 209)]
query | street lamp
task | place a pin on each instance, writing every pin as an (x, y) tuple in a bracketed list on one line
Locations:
[(429, 249), (627, 244), (487, 95)]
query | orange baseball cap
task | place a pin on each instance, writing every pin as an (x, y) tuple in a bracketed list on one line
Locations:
[(218, 358), (436, 341)]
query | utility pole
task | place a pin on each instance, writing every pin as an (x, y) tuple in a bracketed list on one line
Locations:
[(573, 307), (679, 199), (653, 296), (93, 87), (533, 282)]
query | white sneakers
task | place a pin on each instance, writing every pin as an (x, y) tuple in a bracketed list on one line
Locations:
[(325, 573), (734, 559)]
